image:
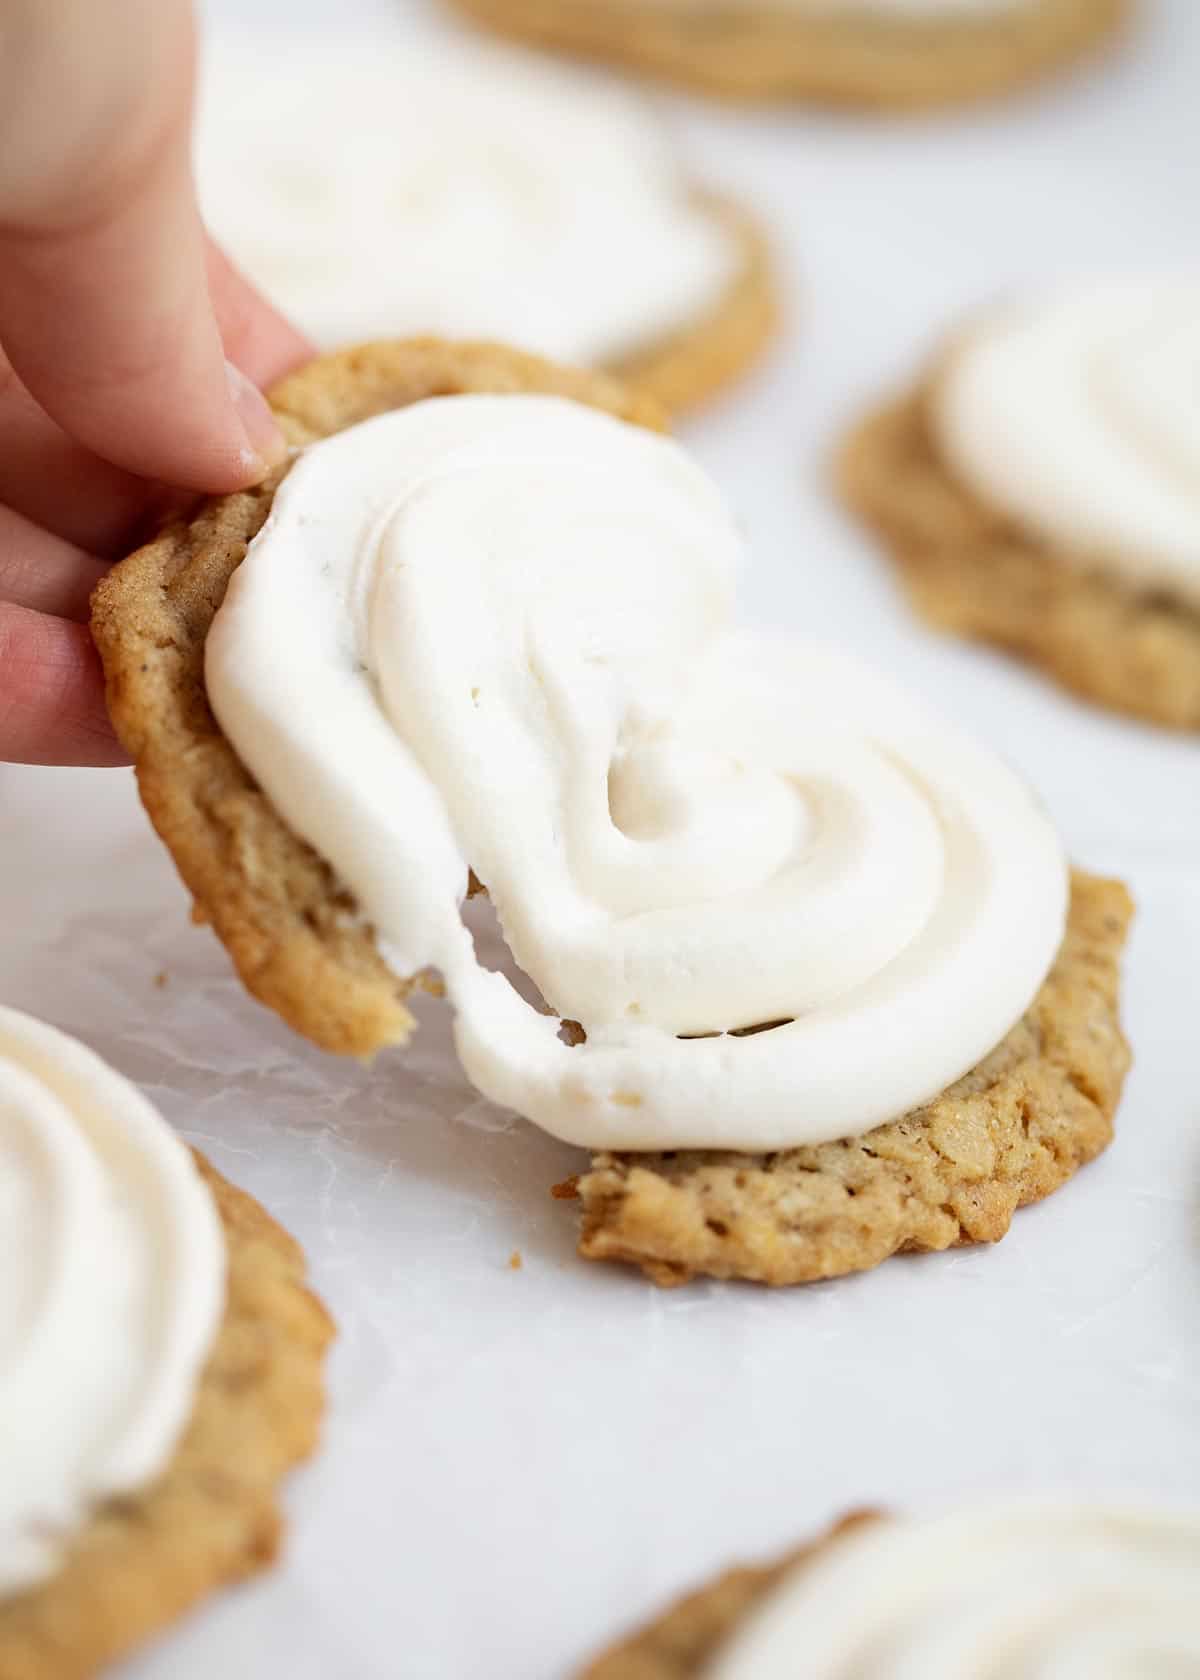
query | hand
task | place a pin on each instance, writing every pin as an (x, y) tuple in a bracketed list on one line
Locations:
[(130, 349)]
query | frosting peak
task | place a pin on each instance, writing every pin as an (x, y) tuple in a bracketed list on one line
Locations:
[(498, 631)]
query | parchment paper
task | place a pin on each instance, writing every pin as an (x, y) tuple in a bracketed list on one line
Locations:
[(518, 1463)]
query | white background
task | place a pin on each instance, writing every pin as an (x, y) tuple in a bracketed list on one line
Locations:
[(518, 1464)]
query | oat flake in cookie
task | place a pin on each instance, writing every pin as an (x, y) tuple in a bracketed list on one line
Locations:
[(1062, 1588), (884, 54), (1040, 489), (511, 614), (159, 1365)]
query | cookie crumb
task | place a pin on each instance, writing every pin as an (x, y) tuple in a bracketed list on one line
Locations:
[(567, 1191), (161, 978), (515, 1261)]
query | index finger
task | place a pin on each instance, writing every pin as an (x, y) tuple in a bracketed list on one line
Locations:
[(105, 310)]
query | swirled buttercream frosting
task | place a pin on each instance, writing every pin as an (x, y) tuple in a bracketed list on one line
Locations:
[(1080, 418), (1017, 1590), (112, 1278), (382, 190), (498, 632)]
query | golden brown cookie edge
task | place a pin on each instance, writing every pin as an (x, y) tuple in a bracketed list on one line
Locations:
[(693, 365), (969, 569), (212, 1518), (769, 55), (292, 929), (1011, 1131)]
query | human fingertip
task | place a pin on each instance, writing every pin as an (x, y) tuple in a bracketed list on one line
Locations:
[(265, 444)]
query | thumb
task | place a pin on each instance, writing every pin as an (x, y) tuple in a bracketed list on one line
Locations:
[(104, 304)]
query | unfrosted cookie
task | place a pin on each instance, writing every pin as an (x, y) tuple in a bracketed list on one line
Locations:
[(1033, 490), (890, 54), (1008, 1588), (481, 193), (1039, 1105), (87, 1574)]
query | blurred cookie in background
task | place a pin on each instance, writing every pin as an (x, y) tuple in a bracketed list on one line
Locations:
[(1009, 1589), (1038, 489), (385, 190), (874, 53), (160, 1365)]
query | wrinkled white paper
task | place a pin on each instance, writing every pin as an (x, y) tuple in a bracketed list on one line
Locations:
[(518, 1463)]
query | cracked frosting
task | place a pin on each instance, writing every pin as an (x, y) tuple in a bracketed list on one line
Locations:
[(388, 189), (112, 1270), (499, 631), (1079, 416), (1016, 1590)]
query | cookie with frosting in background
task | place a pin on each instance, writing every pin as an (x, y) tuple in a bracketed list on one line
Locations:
[(160, 1365), (1011, 1589), (1039, 488), (889, 54), (386, 189), (813, 980)]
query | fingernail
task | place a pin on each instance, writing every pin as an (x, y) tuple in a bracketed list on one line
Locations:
[(266, 445)]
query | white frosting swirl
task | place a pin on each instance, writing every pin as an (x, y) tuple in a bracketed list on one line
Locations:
[(112, 1268), (498, 630), (1080, 417), (1016, 1590), (382, 190)]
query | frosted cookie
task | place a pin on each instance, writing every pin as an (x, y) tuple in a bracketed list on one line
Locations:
[(160, 1365), (1010, 1589), (884, 53), (948, 1172), (486, 623), (478, 193), (1040, 489)]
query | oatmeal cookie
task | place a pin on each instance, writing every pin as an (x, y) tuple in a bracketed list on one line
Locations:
[(772, 52), (971, 570), (212, 1517)]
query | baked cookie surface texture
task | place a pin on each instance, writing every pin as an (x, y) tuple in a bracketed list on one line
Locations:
[(1037, 489), (487, 625), (160, 1370), (547, 205), (886, 54), (1007, 1590)]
